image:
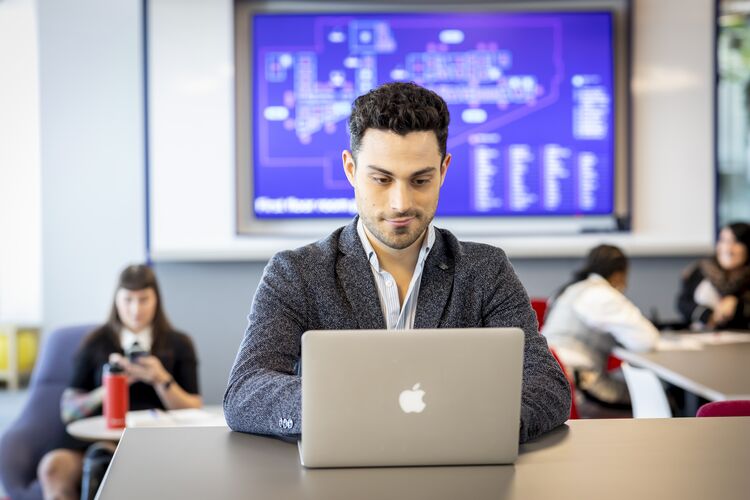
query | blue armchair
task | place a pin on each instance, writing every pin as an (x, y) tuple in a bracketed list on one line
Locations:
[(39, 426)]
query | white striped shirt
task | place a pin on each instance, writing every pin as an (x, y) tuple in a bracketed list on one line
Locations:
[(396, 316)]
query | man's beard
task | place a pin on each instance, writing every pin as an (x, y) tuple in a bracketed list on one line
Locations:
[(398, 238)]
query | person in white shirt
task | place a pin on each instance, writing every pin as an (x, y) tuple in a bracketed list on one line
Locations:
[(590, 316)]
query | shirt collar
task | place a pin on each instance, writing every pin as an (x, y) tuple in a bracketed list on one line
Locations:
[(372, 257), (596, 277), (128, 338)]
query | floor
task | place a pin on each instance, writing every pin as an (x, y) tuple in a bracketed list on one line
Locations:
[(11, 403)]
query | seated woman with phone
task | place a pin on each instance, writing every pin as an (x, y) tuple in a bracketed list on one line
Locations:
[(160, 363)]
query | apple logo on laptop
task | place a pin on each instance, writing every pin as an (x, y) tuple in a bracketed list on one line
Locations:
[(411, 400)]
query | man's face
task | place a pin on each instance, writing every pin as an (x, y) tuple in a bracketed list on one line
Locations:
[(396, 182)]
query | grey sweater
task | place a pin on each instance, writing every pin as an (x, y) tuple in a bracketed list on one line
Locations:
[(328, 285)]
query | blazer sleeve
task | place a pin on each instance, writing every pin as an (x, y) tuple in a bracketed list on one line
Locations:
[(545, 393), (264, 394), (691, 311)]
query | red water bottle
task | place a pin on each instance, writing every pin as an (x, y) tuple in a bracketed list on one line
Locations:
[(116, 394)]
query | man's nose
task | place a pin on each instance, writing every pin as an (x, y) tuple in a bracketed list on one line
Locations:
[(401, 197)]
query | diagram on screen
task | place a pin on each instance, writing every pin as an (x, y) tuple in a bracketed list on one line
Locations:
[(530, 124)]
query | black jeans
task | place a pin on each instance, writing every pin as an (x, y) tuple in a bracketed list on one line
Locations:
[(95, 463)]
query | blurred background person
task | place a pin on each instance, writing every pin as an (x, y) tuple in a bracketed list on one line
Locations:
[(590, 316), (715, 292), (164, 376)]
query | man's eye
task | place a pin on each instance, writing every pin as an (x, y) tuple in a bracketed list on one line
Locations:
[(421, 182), (381, 180)]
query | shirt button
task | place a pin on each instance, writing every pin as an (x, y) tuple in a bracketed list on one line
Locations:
[(389, 283)]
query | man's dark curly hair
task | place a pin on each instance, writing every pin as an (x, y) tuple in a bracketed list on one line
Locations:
[(401, 108)]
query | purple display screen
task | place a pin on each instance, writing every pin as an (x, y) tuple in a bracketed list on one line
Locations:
[(531, 97)]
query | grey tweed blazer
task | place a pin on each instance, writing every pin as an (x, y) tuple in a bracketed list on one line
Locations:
[(328, 285)]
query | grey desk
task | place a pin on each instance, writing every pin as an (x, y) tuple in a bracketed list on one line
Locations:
[(614, 459), (716, 373)]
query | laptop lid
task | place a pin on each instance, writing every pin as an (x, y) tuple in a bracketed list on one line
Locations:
[(411, 397)]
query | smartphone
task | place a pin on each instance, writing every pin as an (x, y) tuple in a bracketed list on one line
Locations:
[(134, 354)]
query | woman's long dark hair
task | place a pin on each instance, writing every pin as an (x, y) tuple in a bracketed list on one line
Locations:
[(604, 260), (136, 277)]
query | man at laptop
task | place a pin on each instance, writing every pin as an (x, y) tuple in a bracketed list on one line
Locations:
[(388, 268)]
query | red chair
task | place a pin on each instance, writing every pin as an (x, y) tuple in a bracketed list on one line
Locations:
[(571, 382), (737, 408), (613, 363), (540, 308)]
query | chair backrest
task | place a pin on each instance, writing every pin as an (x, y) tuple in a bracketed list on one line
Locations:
[(646, 393), (38, 427), (571, 382), (540, 308), (737, 408), (55, 364)]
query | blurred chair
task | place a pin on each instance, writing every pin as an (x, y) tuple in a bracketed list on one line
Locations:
[(647, 395), (613, 363), (540, 308), (737, 408), (571, 382), (39, 426)]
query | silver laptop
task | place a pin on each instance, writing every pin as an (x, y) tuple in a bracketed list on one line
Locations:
[(414, 397)]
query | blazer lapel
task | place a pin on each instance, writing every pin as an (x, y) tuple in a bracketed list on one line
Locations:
[(355, 275), (436, 285)]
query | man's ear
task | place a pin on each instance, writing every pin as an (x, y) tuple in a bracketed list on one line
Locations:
[(444, 167), (350, 167)]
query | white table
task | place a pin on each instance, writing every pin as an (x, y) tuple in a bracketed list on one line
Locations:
[(715, 372), (95, 428), (713, 367)]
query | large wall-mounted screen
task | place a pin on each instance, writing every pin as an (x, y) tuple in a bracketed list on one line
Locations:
[(535, 99), (530, 96)]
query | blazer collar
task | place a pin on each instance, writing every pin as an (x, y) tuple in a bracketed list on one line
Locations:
[(359, 286), (353, 270), (436, 284)]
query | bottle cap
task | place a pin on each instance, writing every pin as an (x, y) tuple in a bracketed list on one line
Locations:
[(114, 367)]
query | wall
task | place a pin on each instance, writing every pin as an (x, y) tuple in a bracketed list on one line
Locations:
[(20, 214), (93, 220)]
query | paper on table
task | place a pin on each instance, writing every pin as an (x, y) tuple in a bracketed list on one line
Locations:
[(149, 418), (720, 338), (678, 343), (198, 417), (189, 417), (697, 341)]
